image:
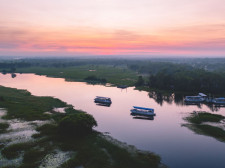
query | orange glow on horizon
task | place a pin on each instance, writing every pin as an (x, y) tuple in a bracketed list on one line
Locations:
[(93, 30)]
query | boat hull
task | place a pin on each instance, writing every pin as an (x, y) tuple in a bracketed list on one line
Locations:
[(134, 112)]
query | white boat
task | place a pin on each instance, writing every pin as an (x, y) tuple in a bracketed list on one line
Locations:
[(194, 99), (104, 100), (219, 101), (142, 111)]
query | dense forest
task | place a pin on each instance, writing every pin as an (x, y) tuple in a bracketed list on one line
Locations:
[(186, 75)]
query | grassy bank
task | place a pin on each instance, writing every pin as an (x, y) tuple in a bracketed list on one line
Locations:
[(110, 74), (207, 124), (21, 104), (68, 133)]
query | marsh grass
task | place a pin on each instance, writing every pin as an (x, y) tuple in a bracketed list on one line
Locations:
[(204, 117), (21, 104), (14, 150), (3, 127), (198, 126), (33, 157), (113, 75)]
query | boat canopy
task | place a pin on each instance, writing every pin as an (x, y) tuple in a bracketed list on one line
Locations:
[(143, 108), (202, 95), (193, 97), (100, 97)]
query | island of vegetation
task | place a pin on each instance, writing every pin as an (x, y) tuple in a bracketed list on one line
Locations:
[(208, 124), (63, 139)]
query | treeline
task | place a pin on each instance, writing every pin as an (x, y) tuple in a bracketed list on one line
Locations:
[(149, 67), (152, 65), (182, 77), (189, 81)]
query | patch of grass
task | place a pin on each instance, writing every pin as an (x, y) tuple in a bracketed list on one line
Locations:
[(13, 151), (33, 157), (204, 117), (21, 104), (3, 127)]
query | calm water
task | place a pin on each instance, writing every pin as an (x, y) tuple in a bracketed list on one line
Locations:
[(178, 146)]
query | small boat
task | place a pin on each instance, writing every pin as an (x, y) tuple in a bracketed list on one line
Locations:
[(194, 99), (142, 111), (219, 101), (103, 100)]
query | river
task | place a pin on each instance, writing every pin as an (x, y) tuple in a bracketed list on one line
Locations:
[(178, 146)]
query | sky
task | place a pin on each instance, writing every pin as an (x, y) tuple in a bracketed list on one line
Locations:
[(141, 28)]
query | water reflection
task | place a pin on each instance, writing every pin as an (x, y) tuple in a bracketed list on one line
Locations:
[(103, 104), (143, 117), (178, 99), (199, 105), (13, 75), (169, 98)]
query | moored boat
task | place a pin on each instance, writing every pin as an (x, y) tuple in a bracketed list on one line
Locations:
[(194, 99), (142, 111), (103, 100), (219, 101)]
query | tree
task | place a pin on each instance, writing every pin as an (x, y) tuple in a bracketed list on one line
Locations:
[(140, 81)]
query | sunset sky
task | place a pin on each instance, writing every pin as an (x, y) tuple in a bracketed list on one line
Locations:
[(142, 28)]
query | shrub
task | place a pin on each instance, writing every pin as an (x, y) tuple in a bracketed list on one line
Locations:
[(77, 124)]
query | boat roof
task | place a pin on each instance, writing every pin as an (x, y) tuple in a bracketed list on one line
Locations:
[(102, 97), (136, 107), (220, 98), (202, 94), (194, 96)]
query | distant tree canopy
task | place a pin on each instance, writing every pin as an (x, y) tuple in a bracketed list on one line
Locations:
[(193, 80)]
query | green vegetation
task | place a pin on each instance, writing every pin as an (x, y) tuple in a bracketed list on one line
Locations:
[(189, 81), (77, 124), (94, 79), (198, 124), (67, 132), (89, 73), (204, 117), (13, 151), (3, 127), (21, 104)]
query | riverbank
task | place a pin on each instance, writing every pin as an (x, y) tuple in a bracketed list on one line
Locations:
[(44, 140)]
